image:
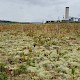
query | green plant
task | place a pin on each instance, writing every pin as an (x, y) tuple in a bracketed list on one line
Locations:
[(2, 67), (3, 76), (22, 69), (16, 72), (73, 71)]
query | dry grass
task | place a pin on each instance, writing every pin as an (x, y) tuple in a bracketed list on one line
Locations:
[(69, 27)]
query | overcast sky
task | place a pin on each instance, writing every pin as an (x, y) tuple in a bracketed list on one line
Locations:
[(37, 10)]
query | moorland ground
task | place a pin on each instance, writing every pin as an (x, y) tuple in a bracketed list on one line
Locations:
[(40, 51)]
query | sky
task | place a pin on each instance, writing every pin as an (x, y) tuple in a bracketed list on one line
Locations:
[(37, 10)]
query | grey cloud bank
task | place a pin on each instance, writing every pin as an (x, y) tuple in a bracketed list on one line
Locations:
[(37, 10)]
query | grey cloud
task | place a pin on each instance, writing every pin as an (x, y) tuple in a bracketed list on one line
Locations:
[(45, 2), (37, 10)]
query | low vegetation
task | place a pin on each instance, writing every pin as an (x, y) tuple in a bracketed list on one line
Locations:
[(40, 51)]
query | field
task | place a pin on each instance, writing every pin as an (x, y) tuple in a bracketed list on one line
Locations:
[(40, 51)]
